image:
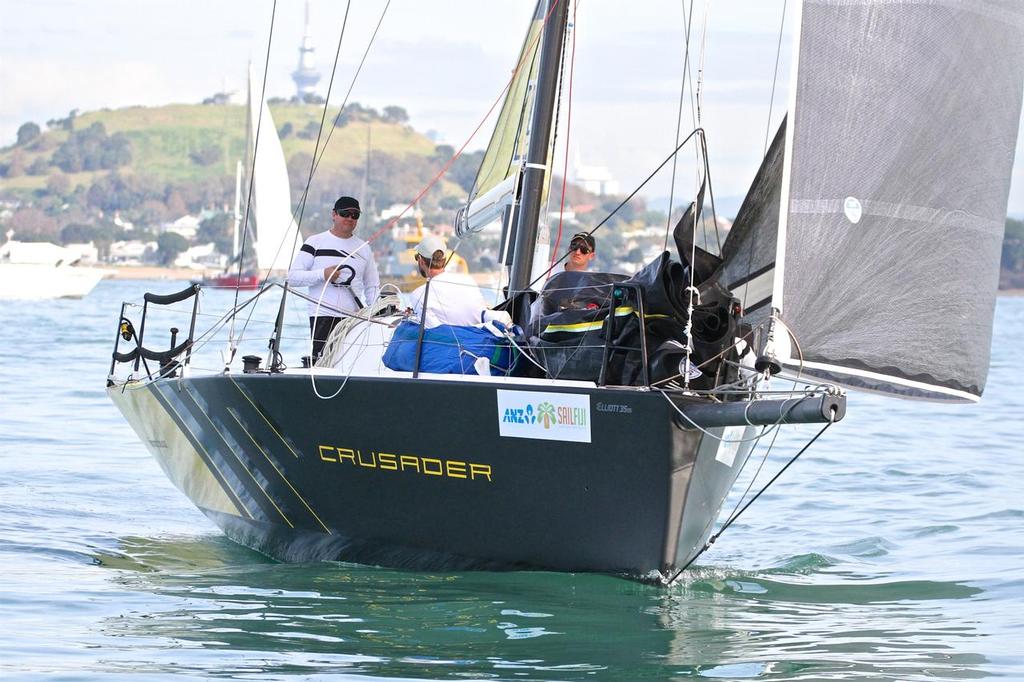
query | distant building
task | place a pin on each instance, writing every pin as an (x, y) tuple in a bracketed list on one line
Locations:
[(306, 76), (187, 226), (594, 179), (204, 256), (132, 252)]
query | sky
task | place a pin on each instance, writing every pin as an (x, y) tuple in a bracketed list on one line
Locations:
[(444, 62)]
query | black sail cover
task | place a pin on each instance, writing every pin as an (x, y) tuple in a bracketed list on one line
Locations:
[(900, 149)]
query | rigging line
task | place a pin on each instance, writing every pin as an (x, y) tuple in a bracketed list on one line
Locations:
[(444, 169), (568, 129), (351, 85), (252, 170), (687, 21), (753, 479), (621, 203), (316, 162), (775, 78), (300, 210), (700, 68), (323, 117), (767, 133), (728, 523), (711, 194)]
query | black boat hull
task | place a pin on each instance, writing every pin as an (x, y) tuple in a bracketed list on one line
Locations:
[(417, 474)]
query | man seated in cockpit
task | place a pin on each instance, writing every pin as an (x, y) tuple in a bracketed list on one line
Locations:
[(452, 298)]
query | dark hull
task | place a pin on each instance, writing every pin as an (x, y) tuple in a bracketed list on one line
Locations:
[(414, 473)]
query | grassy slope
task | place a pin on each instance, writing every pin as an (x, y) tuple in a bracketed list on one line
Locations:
[(163, 137)]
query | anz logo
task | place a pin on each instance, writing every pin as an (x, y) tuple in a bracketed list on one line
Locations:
[(518, 415)]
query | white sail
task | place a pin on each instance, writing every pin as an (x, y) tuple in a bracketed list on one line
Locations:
[(271, 211)]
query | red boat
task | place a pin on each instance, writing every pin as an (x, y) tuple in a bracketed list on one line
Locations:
[(233, 281)]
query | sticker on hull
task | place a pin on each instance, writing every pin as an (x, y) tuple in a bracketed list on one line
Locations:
[(544, 416)]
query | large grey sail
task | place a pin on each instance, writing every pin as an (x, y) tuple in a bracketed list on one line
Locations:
[(902, 140), (749, 250)]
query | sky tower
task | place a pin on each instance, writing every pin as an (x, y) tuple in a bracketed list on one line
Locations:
[(306, 77)]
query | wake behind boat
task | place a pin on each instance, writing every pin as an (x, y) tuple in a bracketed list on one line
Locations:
[(604, 431)]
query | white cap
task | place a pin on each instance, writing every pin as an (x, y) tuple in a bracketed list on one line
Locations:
[(431, 243)]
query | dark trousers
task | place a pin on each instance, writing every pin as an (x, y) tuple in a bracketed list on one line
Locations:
[(320, 328)]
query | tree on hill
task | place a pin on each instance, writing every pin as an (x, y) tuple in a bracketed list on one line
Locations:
[(77, 233), (64, 123), (27, 132), (169, 246), (38, 167), (91, 149), (58, 184), (395, 114), (32, 225), (218, 229), (207, 156)]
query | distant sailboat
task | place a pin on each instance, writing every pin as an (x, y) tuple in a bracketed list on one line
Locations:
[(269, 218)]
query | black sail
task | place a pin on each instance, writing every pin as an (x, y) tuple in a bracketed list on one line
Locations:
[(901, 143), (749, 250)]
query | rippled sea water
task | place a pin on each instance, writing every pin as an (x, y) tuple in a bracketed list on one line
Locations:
[(893, 550)]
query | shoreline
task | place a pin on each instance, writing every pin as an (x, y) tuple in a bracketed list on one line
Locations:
[(151, 272)]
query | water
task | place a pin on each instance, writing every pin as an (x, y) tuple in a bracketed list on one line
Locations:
[(891, 551)]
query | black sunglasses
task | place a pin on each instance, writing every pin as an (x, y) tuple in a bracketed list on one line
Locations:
[(582, 247), (349, 213)]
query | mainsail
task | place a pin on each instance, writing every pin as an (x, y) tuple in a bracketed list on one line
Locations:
[(271, 212), (903, 121)]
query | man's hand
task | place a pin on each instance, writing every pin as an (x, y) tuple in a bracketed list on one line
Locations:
[(330, 273)]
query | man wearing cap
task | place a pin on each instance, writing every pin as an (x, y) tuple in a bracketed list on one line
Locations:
[(581, 252), (451, 297), (339, 270)]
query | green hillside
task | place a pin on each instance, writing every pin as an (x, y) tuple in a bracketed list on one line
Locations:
[(165, 141)]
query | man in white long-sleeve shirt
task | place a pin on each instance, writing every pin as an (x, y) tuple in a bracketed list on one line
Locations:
[(339, 270)]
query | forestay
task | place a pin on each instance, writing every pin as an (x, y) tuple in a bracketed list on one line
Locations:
[(903, 124)]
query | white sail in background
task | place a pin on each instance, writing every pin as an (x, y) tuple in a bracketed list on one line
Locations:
[(271, 211)]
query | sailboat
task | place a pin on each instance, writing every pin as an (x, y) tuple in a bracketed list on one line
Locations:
[(269, 220), (865, 256)]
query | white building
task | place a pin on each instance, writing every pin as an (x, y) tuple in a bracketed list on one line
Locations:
[(204, 256), (187, 226)]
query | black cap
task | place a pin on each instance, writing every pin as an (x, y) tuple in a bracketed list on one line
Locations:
[(346, 202), (588, 238)]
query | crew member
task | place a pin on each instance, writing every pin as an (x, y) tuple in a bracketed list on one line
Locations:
[(339, 270), (453, 298), (581, 252)]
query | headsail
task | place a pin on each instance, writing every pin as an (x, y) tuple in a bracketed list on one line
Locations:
[(496, 183), (903, 124), (271, 213)]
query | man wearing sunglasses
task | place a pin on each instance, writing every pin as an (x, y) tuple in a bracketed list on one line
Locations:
[(581, 252), (339, 270)]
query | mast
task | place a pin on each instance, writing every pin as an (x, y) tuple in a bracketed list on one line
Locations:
[(534, 172), (237, 218)]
